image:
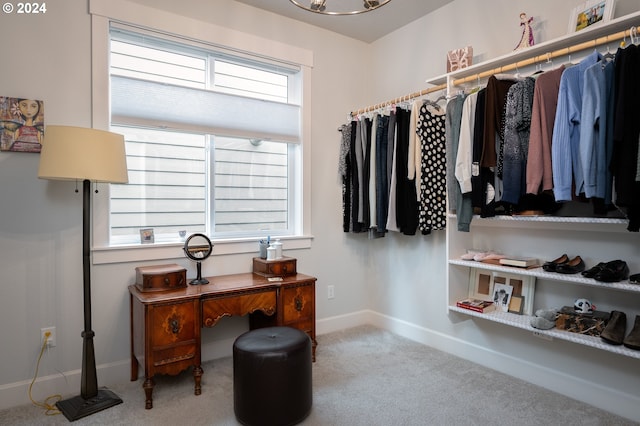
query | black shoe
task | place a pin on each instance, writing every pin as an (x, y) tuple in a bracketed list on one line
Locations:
[(634, 279), (573, 266), (553, 265), (590, 273), (614, 271)]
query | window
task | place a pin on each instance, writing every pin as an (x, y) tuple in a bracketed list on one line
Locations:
[(212, 139)]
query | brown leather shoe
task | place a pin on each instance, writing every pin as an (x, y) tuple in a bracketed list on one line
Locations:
[(632, 341), (616, 327)]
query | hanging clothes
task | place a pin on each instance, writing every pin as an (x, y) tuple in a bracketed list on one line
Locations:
[(596, 134), (543, 114), (345, 170), (457, 203), (517, 124), (392, 224), (431, 131), (382, 176), (626, 136), (480, 176), (496, 97), (565, 160), (406, 201)]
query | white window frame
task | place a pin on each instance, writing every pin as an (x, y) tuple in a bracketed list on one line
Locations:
[(105, 11)]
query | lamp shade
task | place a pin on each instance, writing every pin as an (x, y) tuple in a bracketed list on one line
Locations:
[(77, 153)]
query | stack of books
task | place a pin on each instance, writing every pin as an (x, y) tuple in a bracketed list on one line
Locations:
[(520, 262), (477, 305)]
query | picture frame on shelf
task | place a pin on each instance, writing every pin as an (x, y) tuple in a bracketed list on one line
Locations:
[(516, 304), (502, 295), (590, 13), (147, 236), (482, 286)]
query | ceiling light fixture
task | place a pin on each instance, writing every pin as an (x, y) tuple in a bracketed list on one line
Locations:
[(320, 6)]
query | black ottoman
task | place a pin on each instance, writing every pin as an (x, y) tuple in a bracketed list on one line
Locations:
[(272, 376)]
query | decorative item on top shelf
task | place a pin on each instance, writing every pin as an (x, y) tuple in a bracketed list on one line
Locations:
[(483, 284), (459, 58), (589, 13), (526, 40)]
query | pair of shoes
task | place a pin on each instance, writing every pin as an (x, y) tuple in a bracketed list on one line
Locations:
[(613, 333), (573, 266), (590, 273), (544, 319), (614, 271), (479, 256), (553, 265)]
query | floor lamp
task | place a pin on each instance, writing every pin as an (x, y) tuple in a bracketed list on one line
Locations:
[(87, 155)]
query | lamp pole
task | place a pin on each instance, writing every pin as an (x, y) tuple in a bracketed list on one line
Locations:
[(91, 399)]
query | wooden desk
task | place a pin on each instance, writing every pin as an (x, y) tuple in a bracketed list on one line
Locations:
[(166, 325)]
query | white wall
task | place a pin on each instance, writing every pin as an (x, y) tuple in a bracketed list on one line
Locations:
[(397, 281)]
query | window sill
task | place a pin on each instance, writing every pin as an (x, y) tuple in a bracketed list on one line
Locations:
[(161, 251)]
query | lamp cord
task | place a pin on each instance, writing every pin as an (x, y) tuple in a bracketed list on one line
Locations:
[(50, 407)]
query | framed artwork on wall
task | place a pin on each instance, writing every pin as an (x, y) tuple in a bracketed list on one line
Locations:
[(21, 124), (589, 13)]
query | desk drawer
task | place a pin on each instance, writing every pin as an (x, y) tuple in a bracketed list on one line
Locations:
[(215, 308), (173, 354), (274, 268), (298, 303), (171, 324)]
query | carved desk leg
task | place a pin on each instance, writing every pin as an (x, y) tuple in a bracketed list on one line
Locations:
[(197, 376), (148, 391)]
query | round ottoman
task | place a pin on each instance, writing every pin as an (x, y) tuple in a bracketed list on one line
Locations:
[(272, 376)]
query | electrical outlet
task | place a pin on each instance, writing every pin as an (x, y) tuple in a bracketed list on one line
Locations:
[(51, 340), (331, 292)]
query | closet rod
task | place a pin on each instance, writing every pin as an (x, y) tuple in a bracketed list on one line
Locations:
[(400, 99), (566, 51)]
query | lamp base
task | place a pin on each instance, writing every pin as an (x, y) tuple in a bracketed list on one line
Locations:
[(77, 407)]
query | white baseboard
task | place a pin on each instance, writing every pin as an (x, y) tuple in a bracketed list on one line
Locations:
[(608, 399)]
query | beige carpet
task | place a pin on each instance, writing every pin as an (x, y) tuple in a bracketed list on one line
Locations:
[(363, 376)]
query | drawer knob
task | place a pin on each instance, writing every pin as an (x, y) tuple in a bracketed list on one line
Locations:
[(166, 280), (175, 326)]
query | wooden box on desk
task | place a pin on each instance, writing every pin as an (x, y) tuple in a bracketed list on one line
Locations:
[(160, 277), (274, 268)]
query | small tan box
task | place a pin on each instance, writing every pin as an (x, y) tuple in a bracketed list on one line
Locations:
[(160, 277), (274, 268)]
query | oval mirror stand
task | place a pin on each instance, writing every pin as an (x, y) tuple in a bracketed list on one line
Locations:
[(198, 247)]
